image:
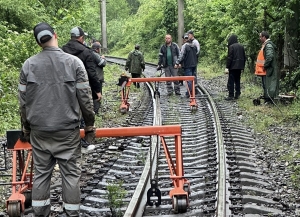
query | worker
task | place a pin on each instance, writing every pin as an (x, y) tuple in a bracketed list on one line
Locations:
[(53, 92)]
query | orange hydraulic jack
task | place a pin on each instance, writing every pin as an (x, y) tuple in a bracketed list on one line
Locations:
[(180, 192), (22, 167), (128, 81)]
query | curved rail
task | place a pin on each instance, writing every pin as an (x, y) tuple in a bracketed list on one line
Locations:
[(221, 201), (209, 168), (221, 184)]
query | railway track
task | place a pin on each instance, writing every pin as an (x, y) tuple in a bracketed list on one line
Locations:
[(219, 163)]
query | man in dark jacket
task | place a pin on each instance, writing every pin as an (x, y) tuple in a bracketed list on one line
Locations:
[(100, 62), (236, 60), (181, 69), (168, 55), (135, 64), (76, 47), (188, 57)]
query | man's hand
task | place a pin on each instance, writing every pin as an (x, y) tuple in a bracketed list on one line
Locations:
[(177, 66), (25, 136), (99, 95), (90, 133), (158, 67), (226, 71)]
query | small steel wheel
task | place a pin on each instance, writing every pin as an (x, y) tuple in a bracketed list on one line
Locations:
[(14, 209), (28, 198), (193, 108), (179, 204), (175, 204), (123, 110)]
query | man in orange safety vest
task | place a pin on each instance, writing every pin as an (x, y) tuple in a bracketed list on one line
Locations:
[(266, 67)]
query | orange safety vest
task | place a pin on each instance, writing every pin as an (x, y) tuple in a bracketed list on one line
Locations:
[(259, 68)]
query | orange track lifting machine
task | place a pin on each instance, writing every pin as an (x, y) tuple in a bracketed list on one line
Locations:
[(22, 166), (125, 83)]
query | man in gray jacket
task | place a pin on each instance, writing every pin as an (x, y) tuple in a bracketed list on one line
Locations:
[(53, 91)]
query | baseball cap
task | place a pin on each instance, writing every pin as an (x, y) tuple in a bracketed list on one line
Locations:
[(185, 36), (190, 32), (137, 46), (77, 31), (43, 32), (96, 45)]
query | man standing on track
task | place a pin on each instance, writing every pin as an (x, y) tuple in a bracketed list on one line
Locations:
[(76, 47), (168, 55), (197, 44), (135, 64), (53, 91), (101, 63), (188, 57)]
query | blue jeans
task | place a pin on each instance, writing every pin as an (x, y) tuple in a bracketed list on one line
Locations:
[(191, 71)]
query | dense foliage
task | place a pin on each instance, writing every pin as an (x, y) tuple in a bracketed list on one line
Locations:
[(146, 22)]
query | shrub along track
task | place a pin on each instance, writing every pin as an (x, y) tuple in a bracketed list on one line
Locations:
[(116, 164)]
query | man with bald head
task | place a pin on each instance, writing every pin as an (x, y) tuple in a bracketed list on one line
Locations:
[(168, 55)]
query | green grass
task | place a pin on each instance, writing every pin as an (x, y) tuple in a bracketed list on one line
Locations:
[(261, 118), (115, 196)]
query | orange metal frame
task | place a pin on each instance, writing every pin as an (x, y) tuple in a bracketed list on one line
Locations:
[(21, 164), (125, 91), (176, 169)]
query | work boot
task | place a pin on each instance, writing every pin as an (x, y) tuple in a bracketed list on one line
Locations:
[(229, 98), (237, 95)]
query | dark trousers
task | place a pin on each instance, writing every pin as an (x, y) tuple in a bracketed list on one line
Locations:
[(97, 103), (234, 82), (137, 84), (101, 85)]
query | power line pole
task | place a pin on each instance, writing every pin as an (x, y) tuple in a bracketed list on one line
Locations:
[(103, 25), (180, 21)]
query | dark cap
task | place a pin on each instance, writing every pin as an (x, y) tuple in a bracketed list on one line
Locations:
[(43, 32), (185, 36), (137, 46), (77, 32), (190, 32), (96, 45)]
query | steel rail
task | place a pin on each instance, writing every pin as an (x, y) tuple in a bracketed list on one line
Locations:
[(135, 207), (221, 184)]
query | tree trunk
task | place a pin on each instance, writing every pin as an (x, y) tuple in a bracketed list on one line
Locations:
[(292, 41), (103, 26), (180, 21)]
